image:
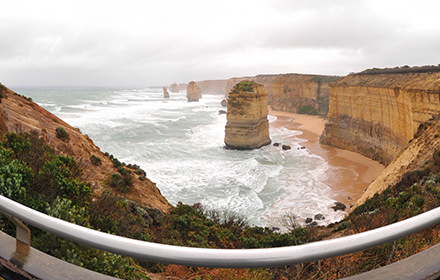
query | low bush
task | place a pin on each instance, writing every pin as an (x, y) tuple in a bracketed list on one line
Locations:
[(62, 133)]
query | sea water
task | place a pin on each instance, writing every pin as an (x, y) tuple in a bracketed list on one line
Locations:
[(180, 145)]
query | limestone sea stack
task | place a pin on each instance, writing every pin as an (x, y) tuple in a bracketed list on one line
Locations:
[(174, 87), (165, 93), (193, 92), (247, 126)]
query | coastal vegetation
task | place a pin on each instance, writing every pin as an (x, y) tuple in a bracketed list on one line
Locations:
[(32, 174), (401, 70), (62, 133), (307, 109)]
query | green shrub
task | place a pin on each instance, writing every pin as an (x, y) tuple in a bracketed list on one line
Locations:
[(307, 109), (62, 133), (60, 176), (95, 160), (15, 176), (247, 86), (17, 142)]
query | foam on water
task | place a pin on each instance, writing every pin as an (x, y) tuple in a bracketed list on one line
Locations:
[(180, 146)]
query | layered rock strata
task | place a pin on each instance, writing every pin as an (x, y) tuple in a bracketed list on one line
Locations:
[(165, 93), (295, 93), (193, 92), (376, 114), (212, 86), (247, 126)]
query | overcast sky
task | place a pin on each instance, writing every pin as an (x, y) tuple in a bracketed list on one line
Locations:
[(138, 43)]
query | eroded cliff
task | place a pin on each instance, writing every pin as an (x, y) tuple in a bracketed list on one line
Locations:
[(19, 114), (212, 86), (377, 114), (247, 126), (295, 93)]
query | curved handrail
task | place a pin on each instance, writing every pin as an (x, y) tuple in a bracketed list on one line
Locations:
[(220, 257)]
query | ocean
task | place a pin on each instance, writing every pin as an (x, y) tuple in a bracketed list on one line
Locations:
[(180, 145)]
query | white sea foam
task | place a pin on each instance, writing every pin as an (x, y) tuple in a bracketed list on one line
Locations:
[(180, 145)]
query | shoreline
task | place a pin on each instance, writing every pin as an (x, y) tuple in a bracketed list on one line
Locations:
[(349, 173)]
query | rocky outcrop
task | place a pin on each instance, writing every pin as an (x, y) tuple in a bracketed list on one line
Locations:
[(193, 92), (304, 94), (174, 88), (295, 93), (377, 114), (165, 93), (19, 114), (247, 126), (417, 153), (212, 86)]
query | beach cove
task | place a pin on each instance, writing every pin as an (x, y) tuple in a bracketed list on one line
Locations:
[(180, 145), (349, 174)]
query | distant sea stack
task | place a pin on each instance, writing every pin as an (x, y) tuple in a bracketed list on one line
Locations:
[(193, 92), (174, 88), (247, 126), (165, 93)]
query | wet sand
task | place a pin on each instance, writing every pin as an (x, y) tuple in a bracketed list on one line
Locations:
[(349, 173)]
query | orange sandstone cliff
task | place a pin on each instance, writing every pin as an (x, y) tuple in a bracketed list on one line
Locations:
[(247, 126), (295, 93), (212, 86), (376, 113), (19, 114)]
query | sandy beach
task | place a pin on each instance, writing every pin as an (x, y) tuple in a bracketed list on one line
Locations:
[(349, 173)]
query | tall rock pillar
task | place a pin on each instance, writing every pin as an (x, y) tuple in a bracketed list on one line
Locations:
[(193, 92), (247, 126), (165, 93)]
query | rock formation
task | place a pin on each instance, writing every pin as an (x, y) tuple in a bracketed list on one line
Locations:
[(212, 86), (303, 94), (165, 93), (296, 93), (416, 154), (247, 126), (193, 92), (376, 114), (19, 114), (174, 87)]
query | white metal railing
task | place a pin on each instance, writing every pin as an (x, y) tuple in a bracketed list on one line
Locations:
[(227, 258)]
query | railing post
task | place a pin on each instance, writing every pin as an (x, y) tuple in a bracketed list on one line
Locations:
[(23, 233), (23, 241)]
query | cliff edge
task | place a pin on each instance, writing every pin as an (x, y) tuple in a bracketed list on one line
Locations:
[(19, 114), (294, 93), (376, 113)]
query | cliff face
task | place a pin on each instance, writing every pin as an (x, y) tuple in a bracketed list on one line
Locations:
[(420, 150), (377, 114), (18, 114), (193, 92), (296, 93), (302, 93), (212, 86), (247, 125)]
